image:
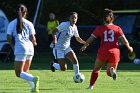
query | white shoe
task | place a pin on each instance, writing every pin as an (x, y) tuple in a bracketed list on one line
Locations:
[(90, 87), (113, 73)]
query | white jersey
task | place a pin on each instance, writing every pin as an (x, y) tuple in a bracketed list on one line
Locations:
[(23, 44), (64, 34)]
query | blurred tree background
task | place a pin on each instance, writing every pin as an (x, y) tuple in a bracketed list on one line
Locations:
[(89, 10)]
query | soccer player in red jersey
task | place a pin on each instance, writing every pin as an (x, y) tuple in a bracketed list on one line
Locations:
[(109, 52)]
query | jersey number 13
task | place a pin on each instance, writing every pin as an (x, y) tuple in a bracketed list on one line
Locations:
[(109, 36)]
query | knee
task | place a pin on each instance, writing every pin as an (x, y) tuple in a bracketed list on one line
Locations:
[(64, 68), (96, 71)]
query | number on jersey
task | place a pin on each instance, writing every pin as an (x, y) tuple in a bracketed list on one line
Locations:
[(109, 36)]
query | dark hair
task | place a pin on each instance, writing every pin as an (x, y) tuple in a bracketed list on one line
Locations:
[(108, 16), (21, 11), (72, 13)]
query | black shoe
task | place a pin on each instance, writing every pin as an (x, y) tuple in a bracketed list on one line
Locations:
[(52, 68)]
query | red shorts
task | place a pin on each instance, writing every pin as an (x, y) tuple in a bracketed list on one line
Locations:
[(112, 55)]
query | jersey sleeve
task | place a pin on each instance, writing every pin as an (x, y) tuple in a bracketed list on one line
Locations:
[(9, 29), (120, 32), (96, 33), (61, 27), (76, 34), (32, 29)]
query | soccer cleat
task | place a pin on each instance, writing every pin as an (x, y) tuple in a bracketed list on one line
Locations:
[(52, 68), (36, 84), (90, 87), (113, 73)]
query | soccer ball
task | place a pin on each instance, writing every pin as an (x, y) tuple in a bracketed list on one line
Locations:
[(79, 78), (136, 61)]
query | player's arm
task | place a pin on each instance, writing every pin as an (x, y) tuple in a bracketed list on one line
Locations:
[(32, 34), (33, 39), (9, 39), (54, 36), (89, 40), (78, 39), (126, 43)]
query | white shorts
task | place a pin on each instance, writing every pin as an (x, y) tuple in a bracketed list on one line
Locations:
[(61, 53), (23, 57)]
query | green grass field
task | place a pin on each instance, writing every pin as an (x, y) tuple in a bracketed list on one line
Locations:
[(62, 82)]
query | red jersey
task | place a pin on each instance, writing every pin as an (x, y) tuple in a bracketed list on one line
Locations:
[(109, 35)]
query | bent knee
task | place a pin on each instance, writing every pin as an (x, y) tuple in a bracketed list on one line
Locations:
[(64, 68)]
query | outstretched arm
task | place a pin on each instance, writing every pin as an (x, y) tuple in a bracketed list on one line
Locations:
[(78, 39), (126, 43), (89, 40)]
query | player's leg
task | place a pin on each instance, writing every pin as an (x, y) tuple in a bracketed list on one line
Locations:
[(60, 56), (22, 66), (113, 63), (26, 69), (34, 85), (72, 57), (19, 64), (35, 82), (94, 75), (111, 70), (61, 65), (27, 65)]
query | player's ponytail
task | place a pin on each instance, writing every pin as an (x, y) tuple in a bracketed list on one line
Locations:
[(108, 16), (21, 12)]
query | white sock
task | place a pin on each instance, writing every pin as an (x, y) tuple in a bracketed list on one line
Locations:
[(57, 66), (76, 68), (26, 76), (31, 83)]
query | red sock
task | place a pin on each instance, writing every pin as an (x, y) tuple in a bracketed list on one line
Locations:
[(108, 72), (93, 78)]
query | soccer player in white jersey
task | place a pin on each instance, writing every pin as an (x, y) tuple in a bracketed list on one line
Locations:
[(61, 40), (23, 33)]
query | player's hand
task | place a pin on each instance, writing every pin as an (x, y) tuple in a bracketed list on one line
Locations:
[(83, 48), (84, 42), (130, 49), (35, 44)]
